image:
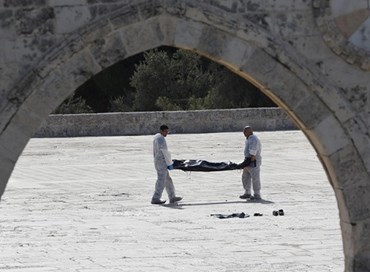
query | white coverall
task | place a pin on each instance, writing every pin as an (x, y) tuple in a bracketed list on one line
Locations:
[(162, 159), (252, 174)]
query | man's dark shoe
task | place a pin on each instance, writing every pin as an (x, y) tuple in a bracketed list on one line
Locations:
[(245, 196), (158, 201), (256, 197), (175, 199)]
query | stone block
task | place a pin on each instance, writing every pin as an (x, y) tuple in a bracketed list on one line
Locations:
[(22, 90), (311, 111), (218, 19), (150, 9), (288, 24), (329, 136), (167, 26), (127, 15), (141, 37), (61, 81), (7, 110), (91, 2), (42, 102), (75, 71), (365, 65), (23, 3), (287, 5), (27, 119), (356, 93), (230, 6), (188, 34), (348, 164), (95, 31), (313, 48), (104, 11), (353, 234), (71, 18), (356, 201), (108, 50), (334, 100), (277, 78), (37, 21), (236, 52), (48, 97), (8, 76), (176, 7), (7, 29), (56, 3), (68, 47), (196, 15), (31, 49), (212, 41), (360, 135)]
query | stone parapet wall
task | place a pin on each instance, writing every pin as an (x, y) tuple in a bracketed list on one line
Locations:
[(143, 123)]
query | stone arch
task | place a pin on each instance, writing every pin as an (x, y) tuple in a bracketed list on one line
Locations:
[(251, 52)]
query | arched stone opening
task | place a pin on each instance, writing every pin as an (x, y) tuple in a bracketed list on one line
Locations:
[(273, 65)]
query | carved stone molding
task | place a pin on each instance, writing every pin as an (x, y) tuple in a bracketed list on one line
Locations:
[(345, 28)]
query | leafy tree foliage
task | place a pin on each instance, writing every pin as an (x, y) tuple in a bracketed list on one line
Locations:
[(164, 82), (73, 105), (185, 81), (169, 79)]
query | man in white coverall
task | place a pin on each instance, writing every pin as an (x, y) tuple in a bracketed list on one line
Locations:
[(163, 163), (251, 173)]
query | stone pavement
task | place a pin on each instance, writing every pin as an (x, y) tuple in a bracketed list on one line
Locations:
[(83, 204)]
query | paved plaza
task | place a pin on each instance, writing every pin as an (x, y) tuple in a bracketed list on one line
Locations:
[(83, 204)]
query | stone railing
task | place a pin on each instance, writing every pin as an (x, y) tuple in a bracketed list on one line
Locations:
[(144, 123)]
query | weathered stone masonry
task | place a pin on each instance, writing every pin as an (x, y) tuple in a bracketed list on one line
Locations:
[(146, 123), (310, 57)]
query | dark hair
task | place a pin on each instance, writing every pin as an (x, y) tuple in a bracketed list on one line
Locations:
[(163, 127)]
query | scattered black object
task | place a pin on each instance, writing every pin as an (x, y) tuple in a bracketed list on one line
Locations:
[(241, 215), (258, 214), (206, 166), (233, 215), (279, 212)]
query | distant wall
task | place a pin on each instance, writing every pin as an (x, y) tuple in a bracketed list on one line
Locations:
[(143, 123)]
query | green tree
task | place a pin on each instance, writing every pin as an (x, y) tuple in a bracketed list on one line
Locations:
[(119, 104), (73, 105), (228, 90), (166, 79), (151, 80), (183, 80), (166, 82)]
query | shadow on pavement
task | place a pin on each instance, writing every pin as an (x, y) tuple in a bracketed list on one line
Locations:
[(179, 205), (262, 201)]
